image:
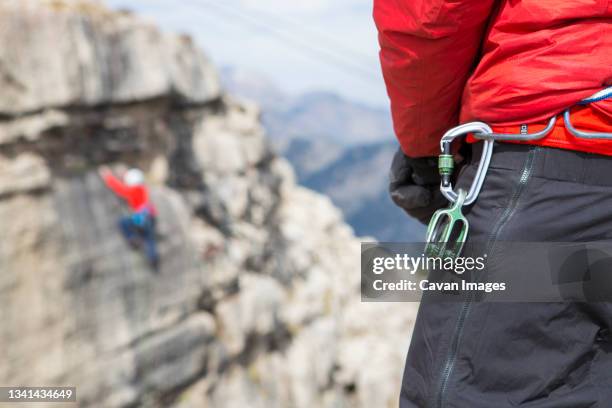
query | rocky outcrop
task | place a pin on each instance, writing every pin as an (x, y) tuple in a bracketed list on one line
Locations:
[(79, 54), (257, 299)]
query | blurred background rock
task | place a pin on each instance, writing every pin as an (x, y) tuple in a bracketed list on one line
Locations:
[(312, 66), (257, 299), (339, 147)]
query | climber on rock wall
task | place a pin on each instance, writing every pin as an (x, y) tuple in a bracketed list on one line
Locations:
[(536, 75), (139, 226)]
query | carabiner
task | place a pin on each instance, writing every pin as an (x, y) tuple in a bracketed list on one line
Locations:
[(599, 96), (446, 163), (581, 134), (442, 228)]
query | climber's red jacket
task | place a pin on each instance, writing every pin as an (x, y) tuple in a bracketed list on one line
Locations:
[(502, 62), (137, 197)]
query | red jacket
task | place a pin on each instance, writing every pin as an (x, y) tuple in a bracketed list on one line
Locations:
[(504, 62), (137, 197)]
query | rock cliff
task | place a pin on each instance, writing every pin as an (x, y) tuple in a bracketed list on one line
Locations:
[(256, 303)]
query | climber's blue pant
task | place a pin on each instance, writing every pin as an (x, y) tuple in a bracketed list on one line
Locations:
[(135, 228)]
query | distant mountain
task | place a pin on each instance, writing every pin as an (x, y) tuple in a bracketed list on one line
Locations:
[(310, 156), (357, 183), (321, 116), (338, 147), (327, 116)]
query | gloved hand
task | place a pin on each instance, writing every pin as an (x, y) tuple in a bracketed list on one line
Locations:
[(414, 185)]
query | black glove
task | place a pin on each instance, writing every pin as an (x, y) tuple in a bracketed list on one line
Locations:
[(414, 185)]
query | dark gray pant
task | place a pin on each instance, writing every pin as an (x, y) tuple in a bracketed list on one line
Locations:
[(536, 355)]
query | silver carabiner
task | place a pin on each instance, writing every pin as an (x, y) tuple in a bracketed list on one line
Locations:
[(599, 96), (581, 134), (446, 186)]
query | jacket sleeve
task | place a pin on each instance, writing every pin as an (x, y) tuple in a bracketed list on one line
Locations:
[(116, 185), (428, 50)]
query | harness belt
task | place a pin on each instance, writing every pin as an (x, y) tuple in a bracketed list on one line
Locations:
[(448, 228)]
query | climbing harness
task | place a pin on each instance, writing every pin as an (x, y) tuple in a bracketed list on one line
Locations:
[(448, 228), (142, 217)]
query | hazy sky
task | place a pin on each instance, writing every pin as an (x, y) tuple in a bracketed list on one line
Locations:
[(300, 44)]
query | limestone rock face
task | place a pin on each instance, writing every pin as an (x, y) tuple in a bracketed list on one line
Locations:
[(79, 54), (256, 302)]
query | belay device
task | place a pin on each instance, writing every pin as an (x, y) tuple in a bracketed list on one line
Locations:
[(448, 228)]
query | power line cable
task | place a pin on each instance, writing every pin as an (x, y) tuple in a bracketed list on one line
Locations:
[(322, 55), (290, 24)]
